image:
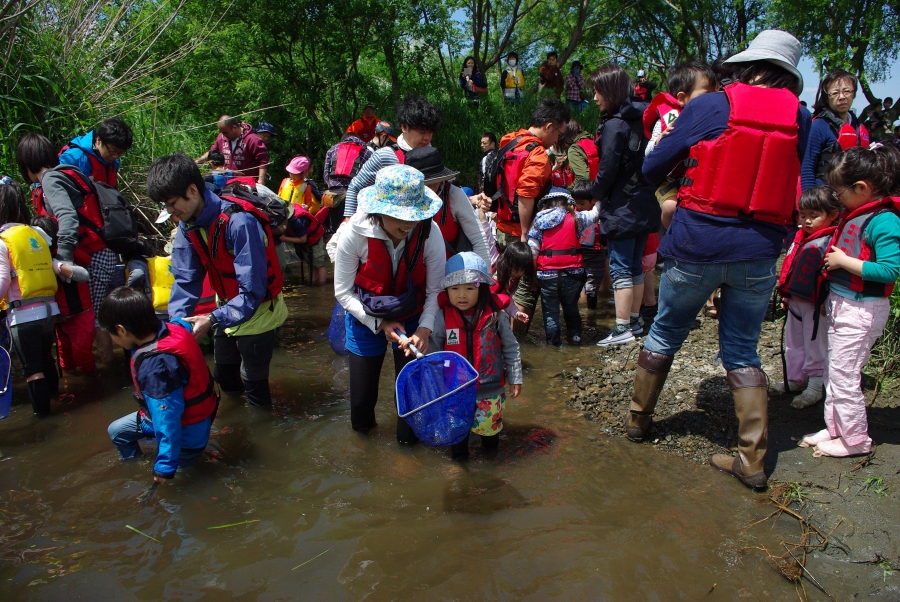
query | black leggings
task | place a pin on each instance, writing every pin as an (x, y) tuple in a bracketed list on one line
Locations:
[(364, 374), (33, 342)]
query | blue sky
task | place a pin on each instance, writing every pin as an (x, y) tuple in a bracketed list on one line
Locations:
[(889, 87)]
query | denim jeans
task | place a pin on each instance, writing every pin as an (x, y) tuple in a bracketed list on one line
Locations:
[(563, 290), (685, 287), (625, 261), (128, 430)]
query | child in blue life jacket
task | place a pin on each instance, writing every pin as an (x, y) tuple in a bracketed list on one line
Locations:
[(555, 241), (470, 322), (173, 386), (800, 285), (863, 265)]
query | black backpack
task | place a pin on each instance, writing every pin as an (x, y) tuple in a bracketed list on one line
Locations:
[(120, 228), (273, 207)]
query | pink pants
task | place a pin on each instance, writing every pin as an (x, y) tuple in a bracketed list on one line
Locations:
[(853, 328), (804, 355)]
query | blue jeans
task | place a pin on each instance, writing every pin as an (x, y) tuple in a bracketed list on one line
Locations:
[(625, 261), (685, 287), (563, 290), (128, 430)]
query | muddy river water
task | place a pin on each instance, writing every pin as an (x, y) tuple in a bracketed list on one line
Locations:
[(560, 512)]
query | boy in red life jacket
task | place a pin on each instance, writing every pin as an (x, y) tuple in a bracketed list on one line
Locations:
[(555, 241), (173, 386), (305, 231), (364, 127), (686, 82), (230, 240), (805, 343), (593, 247), (75, 333), (96, 154), (471, 323)]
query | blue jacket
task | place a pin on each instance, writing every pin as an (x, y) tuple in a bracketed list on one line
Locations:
[(245, 237), (77, 156), (821, 137), (161, 380), (696, 237)]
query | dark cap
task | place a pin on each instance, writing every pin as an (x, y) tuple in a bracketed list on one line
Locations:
[(265, 126), (427, 160)]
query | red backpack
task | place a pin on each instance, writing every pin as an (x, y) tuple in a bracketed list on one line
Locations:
[(347, 163)]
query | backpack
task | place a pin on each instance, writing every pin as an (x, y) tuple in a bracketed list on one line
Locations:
[(120, 229), (494, 168), (502, 176), (347, 160), (273, 207)]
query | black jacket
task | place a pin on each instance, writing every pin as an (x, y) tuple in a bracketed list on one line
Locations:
[(628, 206)]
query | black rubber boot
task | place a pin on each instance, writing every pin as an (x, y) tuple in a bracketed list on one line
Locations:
[(39, 392), (592, 301), (229, 377), (460, 451), (490, 441), (258, 392)]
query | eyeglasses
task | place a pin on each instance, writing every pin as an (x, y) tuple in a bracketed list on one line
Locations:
[(837, 195), (169, 205), (838, 93)]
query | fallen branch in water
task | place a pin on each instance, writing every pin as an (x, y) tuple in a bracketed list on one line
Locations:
[(139, 532), (246, 522), (311, 559)]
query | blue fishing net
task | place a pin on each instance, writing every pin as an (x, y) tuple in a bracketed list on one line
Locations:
[(337, 331), (5, 375), (436, 396)]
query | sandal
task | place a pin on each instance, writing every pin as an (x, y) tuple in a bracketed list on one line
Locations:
[(711, 311)]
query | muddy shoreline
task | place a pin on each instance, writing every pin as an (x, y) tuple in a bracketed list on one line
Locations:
[(695, 418)]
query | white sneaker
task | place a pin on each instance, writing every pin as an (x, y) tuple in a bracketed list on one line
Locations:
[(620, 335), (794, 386), (812, 394), (576, 340)]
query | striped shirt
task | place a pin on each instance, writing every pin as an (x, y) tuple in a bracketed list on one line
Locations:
[(380, 159)]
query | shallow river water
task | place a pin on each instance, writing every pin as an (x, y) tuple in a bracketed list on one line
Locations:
[(560, 512)]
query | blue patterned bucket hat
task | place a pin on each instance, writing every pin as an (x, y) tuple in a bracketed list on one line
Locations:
[(400, 192), (465, 268)]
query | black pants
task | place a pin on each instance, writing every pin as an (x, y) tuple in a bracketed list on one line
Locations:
[(33, 342), (364, 374)]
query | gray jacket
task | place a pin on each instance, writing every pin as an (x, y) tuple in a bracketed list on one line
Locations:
[(60, 197)]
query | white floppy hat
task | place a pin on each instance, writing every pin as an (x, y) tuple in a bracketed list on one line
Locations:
[(776, 46)]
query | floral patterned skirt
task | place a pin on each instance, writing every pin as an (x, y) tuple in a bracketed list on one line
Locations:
[(489, 415)]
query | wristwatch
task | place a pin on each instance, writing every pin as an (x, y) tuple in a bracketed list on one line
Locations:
[(213, 320)]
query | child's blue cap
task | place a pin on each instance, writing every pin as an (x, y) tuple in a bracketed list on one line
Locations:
[(465, 268), (557, 192)]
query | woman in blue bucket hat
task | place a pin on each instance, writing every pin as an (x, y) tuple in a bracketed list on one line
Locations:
[(388, 267)]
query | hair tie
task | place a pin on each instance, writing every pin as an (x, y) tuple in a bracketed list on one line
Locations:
[(875, 146), (6, 181)]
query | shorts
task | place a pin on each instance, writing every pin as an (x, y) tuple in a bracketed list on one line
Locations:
[(315, 253), (489, 415), (648, 262)]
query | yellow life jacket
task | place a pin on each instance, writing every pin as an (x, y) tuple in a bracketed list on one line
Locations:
[(161, 281), (514, 78), (299, 194), (32, 265)]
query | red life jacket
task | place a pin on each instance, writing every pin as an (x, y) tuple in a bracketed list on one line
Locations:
[(801, 272), (207, 301), (479, 342), (847, 137), (562, 178), (593, 156), (376, 275), (444, 219), (218, 260), (315, 230), (641, 91), (560, 247), (100, 170), (401, 154), (664, 108), (345, 162), (74, 297), (248, 181), (851, 239), (90, 219), (591, 240), (511, 165), (652, 244), (752, 167), (200, 399)]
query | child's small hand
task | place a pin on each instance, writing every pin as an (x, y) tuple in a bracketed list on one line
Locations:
[(835, 259), (522, 317), (514, 391)]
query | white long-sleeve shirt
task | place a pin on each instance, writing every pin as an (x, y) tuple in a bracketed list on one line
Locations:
[(464, 215), (353, 251)]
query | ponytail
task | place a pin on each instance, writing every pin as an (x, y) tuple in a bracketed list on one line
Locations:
[(877, 165)]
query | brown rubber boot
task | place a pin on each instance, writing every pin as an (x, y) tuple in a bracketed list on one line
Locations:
[(748, 385), (652, 370)]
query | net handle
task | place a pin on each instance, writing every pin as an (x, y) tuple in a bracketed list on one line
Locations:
[(434, 401), (404, 339)]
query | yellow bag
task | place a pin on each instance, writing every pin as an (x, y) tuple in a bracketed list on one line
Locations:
[(161, 281), (32, 264)]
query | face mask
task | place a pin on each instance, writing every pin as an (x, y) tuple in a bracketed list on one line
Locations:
[(576, 71), (512, 62)]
